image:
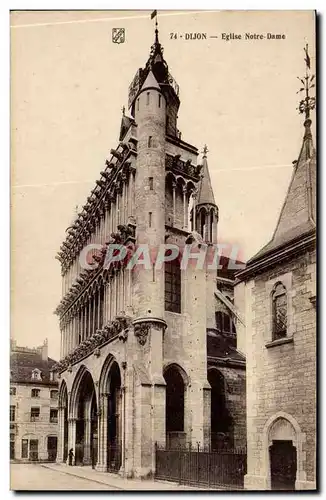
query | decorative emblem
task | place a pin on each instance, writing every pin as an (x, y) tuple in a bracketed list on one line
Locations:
[(141, 332), (118, 35)]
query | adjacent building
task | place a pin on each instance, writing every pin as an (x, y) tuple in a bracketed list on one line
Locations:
[(148, 354), (276, 296), (33, 404)]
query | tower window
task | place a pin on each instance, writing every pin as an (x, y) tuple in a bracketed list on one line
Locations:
[(151, 183), (147, 98), (138, 104), (150, 219), (279, 311), (159, 100), (173, 286), (150, 141)]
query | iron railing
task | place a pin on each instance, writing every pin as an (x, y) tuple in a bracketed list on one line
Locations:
[(202, 467)]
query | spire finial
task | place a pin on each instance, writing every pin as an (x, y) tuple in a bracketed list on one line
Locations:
[(123, 109), (205, 151), (154, 15), (308, 103)]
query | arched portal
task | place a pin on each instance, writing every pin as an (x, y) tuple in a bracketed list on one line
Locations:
[(221, 420), (86, 422), (63, 420), (174, 407), (282, 439)]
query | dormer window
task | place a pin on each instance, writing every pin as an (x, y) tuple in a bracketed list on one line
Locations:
[(36, 374)]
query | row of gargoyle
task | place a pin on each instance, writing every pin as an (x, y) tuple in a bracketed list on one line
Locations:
[(119, 326)]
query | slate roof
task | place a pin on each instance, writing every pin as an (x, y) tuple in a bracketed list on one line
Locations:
[(205, 191), (23, 363), (223, 346)]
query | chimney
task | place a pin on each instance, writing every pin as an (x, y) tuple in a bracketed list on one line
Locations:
[(44, 350)]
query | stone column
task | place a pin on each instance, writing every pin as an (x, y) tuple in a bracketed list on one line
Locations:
[(71, 437), (94, 311), (90, 317), (174, 185), (102, 433), (185, 207), (87, 441), (61, 422)]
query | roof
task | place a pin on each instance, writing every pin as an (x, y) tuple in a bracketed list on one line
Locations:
[(23, 363), (205, 191), (150, 82), (298, 214), (126, 122), (223, 346)]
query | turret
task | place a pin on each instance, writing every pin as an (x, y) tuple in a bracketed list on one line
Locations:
[(206, 211), (150, 113)]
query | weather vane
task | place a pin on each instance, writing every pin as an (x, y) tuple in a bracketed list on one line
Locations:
[(205, 151), (308, 103)]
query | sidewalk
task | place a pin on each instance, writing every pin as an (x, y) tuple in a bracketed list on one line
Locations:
[(116, 481)]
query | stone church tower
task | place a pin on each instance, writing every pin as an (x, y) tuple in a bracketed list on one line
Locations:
[(134, 366)]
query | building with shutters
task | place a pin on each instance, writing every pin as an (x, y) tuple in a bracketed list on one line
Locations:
[(33, 404)]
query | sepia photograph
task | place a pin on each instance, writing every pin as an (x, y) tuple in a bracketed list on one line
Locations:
[(163, 250)]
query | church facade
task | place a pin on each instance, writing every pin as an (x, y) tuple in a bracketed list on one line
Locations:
[(148, 353)]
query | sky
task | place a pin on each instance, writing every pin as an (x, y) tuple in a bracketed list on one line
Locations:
[(69, 82)]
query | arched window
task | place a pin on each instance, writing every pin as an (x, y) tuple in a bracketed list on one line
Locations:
[(279, 304), (173, 286), (203, 223), (221, 419), (174, 408)]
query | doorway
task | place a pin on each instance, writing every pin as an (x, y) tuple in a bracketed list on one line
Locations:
[(52, 448), (283, 463), (33, 449), (12, 450)]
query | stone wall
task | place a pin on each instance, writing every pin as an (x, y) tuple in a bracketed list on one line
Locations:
[(281, 377)]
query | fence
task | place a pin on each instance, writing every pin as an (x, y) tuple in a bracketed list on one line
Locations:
[(200, 467)]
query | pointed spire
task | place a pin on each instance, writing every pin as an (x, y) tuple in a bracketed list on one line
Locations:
[(205, 191), (298, 214)]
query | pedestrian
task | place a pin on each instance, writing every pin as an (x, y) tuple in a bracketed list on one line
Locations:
[(71, 456)]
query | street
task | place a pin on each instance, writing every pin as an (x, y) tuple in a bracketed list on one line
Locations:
[(36, 477)]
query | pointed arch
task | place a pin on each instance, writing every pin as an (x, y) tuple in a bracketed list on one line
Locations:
[(104, 382), (63, 394), (298, 438), (75, 390)]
